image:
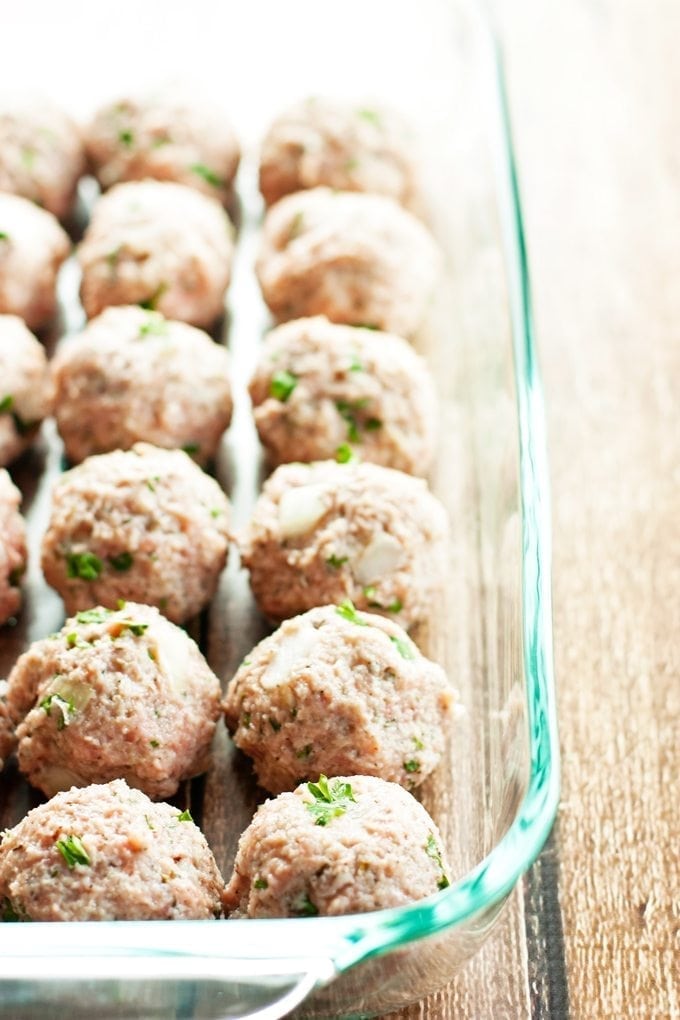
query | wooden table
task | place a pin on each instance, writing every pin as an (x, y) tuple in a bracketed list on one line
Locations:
[(593, 932)]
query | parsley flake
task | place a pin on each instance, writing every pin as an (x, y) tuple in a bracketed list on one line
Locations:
[(335, 562), (6, 404), (155, 325), (403, 646), (126, 137), (260, 883), (344, 454), (331, 799), (206, 174), (433, 851), (371, 116), (191, 448), (184, 816), (282, 385), (304, 907), (4, 236), (66, 707), (73, 851), (348, 612), (98, 615), (151, 303), (84, 565), (413, 765), (296, 225), (122, 562)]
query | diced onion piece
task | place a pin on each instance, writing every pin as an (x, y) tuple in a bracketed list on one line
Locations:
[(300, 509), (172, 658), (74, 691), (381, 556), (293, 650)]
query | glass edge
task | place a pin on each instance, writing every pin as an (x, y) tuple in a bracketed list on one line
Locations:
[(496, 875)]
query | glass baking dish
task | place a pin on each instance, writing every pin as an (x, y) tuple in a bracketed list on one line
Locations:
[(495, 795)]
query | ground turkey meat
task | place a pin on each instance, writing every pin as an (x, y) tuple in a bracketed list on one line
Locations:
[(168, 138), (25, 387), (121, 694), (321, 533), (319, 385), (338, 144), (133, 375), (339, 692), (339, 846), (107, 853), (32, 248), (161, 245), (359, 259), (41, 153), (13, 552), (143, 524)]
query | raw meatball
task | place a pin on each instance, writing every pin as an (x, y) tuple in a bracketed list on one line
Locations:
[(41, 153), (107, 853), (133, 375), (166, 138), (121, 694), (359, 259), (25, 387), (324, 532), (6, 726), (338, 144), (338, 692), (342, 846), (13, 551), (145, 525), (32, 248), (161, 245), (319, 385)]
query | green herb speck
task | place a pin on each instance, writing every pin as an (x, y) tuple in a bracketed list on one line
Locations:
[(84, 565), (260, 883), (347, 611), (122, 562), (66, 708), (184, 816), (126, 137), (412, 765), (208, 175), (331, 799), (6, 404), (72, 850), (335, 562), (403, 646), (282, 385)]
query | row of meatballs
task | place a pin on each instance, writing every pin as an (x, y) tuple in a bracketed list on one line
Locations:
[(125, 697), (337, 241)]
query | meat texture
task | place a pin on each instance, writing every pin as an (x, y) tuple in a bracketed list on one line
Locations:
[(339, 846), (161, 245), (25, 387), (144, 524), (134, 375), (324, 532), (121, 694), (319, 385), (167, 137), (341, 145), (41, 153), (13, 551), (107, 853), (339, 692), (359, 259), (32, 248)]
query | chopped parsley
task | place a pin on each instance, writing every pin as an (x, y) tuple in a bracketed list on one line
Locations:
[(433, 851), (356, 365), (72, 639), (282, 385), (206, 174), (185, 816), (73, 851), (275, 724), (149, 823), (9, 913), (155, 325), (28, 157), (412, 765), (371, 116), (4, 236), (418, 744), (245, 720), (66, 707), (112, 259), (126, 137), (347, 412), (370, 594), (6, 403), (191, 448), (403, 646), (216, 512), (371, 424), (84, 565), (16, 575), (331, 799), (154, 743), (366, 325), (135, 628), (122, 562), (151, 302), (344, 454), (94, 615), (395, 607), (305, 751), (348, 612), (152, 482), (335, 562), (351, 164), (296, 225), (304, 907), (260, 883)]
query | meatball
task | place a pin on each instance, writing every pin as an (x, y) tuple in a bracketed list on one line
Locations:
[(121, 694), (319, 385), (168, 138), (6, 725), (338, 692), (158, 244), (339, 846), (321, 533), (359, 259), (133, 375), (13, 551), (338, 144), (41, 153), (107, 853), (145, 525), (32, 248), (25, 387)]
